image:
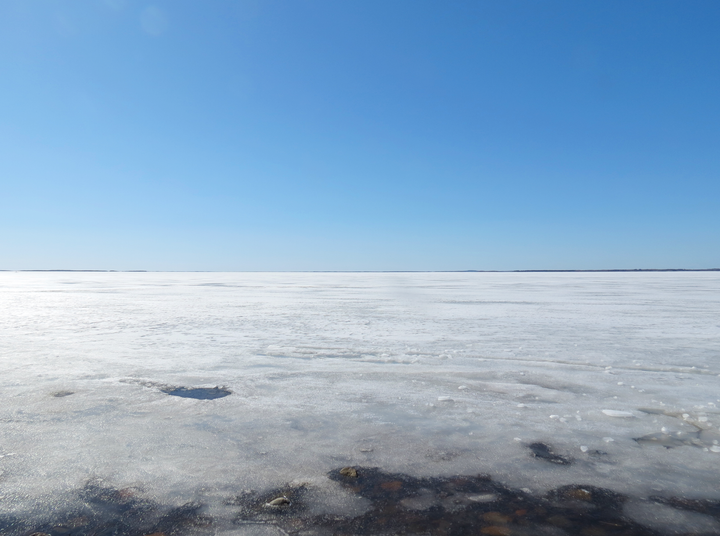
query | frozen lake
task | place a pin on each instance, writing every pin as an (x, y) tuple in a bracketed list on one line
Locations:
[(573, 393)]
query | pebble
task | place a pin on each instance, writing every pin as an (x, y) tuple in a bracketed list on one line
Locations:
[(349, 471), (280, 501)]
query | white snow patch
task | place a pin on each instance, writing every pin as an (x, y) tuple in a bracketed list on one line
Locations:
[(617, 413)]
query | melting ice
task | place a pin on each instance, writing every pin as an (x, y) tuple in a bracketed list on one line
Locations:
[(194, 389)]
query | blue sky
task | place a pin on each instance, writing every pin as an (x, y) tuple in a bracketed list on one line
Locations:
[(359, 134)]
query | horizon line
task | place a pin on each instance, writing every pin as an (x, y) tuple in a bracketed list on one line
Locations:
[(378, 271)]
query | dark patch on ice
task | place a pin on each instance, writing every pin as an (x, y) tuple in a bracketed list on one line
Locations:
[(677, 439), (448, 506), (545, 452), (105, 511), (399, 504), (200, 393), (61, 394), (465, 505), (653, 411)]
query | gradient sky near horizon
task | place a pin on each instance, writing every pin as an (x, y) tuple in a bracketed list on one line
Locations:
[(359, 134)]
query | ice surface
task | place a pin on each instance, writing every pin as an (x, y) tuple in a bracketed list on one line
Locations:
[(667, 519), (617, 413), (333, 370)]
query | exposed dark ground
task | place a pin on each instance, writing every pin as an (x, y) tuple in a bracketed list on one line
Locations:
[(400, 504)]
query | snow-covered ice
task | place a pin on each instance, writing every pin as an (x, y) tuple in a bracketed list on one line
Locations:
[(618, 372)]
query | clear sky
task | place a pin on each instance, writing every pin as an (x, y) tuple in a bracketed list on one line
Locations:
[(359, 134)]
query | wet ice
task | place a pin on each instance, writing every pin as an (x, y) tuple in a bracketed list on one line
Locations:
[(198, 393)]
